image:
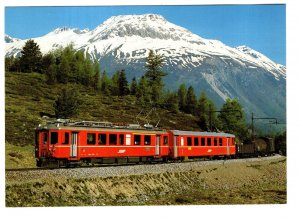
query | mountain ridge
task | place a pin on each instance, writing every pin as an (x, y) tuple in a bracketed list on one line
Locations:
[(222, 71)]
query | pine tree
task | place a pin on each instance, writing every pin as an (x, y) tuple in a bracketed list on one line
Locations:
[(232, 119), (9, 61), (133, 86), (96, 78), (154, 75), (67, 103), (88, 73), (105, 83), (46, 61), (203, 111), (191, 102), (123, 84), (213, 118), (142, 93), (114, 88), (182, 97), (64, 71), (51, 74), (171, 102), (31, 56)]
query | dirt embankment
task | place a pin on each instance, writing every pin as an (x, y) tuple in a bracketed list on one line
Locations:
[(233, 183)]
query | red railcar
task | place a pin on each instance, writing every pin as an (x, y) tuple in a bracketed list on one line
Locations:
[(64, 143), (199, 144), (94, 142)]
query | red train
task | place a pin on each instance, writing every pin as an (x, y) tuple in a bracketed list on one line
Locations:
[(64, 143)]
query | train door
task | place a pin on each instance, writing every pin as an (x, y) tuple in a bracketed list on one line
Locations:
[(43, 143), (175, 147), (74, 144), (228, 145), (157, 145)]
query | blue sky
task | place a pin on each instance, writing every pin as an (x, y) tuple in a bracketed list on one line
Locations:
[(261, 27)]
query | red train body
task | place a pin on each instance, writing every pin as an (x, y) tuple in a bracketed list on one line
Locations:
[(66, 144)]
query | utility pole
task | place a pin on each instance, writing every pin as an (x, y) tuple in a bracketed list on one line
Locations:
[(260, 118)]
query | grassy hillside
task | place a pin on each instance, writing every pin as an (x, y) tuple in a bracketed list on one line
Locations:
[(27, 96)]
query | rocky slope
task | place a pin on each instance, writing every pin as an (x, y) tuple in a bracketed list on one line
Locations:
[(123, 42)]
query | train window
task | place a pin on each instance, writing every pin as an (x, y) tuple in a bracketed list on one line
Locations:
[(91, 139), (66, 140), (53, 137), (137, 139), (128, 139), (102, 139), (215, 141), (196, 141), (147, 140), (112, 139), (121, 139), (189, 141), (202, 141), (221, 141), (208, 141), (181, 141), (45, 138), (165, 140)]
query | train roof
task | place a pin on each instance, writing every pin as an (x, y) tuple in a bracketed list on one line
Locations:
[(98, 126), (198, 133)]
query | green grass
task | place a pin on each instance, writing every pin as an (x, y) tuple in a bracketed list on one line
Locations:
[(19, 156), (27, 95)]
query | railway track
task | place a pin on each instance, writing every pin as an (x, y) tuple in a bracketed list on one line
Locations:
[(133, 164), (19, 176)]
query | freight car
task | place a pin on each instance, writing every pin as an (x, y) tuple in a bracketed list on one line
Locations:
[(261, 146), (65, 143)]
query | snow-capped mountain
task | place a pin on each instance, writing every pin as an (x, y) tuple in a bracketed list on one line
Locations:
[(9, 39), (123, 42)]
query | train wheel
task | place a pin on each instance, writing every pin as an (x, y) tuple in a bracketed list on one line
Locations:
[(39, 163)]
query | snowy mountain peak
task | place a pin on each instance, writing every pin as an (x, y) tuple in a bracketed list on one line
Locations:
[(9, 39), (276, 69), (61, 30), (247, 50), (123, 42), (146, 26)]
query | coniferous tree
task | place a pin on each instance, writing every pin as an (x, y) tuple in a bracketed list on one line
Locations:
[(31, 56), (133, 86), (51, 74), (232, 119), (88, 73), (64, 70), (203, 111), (12, 64), (123, 84), (142, 93), (114, 88), (46, 61), (182, 97), (213, 118), (96, 78), (191, 101), (105, 83), (171, 102), (9, 61), (154, 75), (67, 103)]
